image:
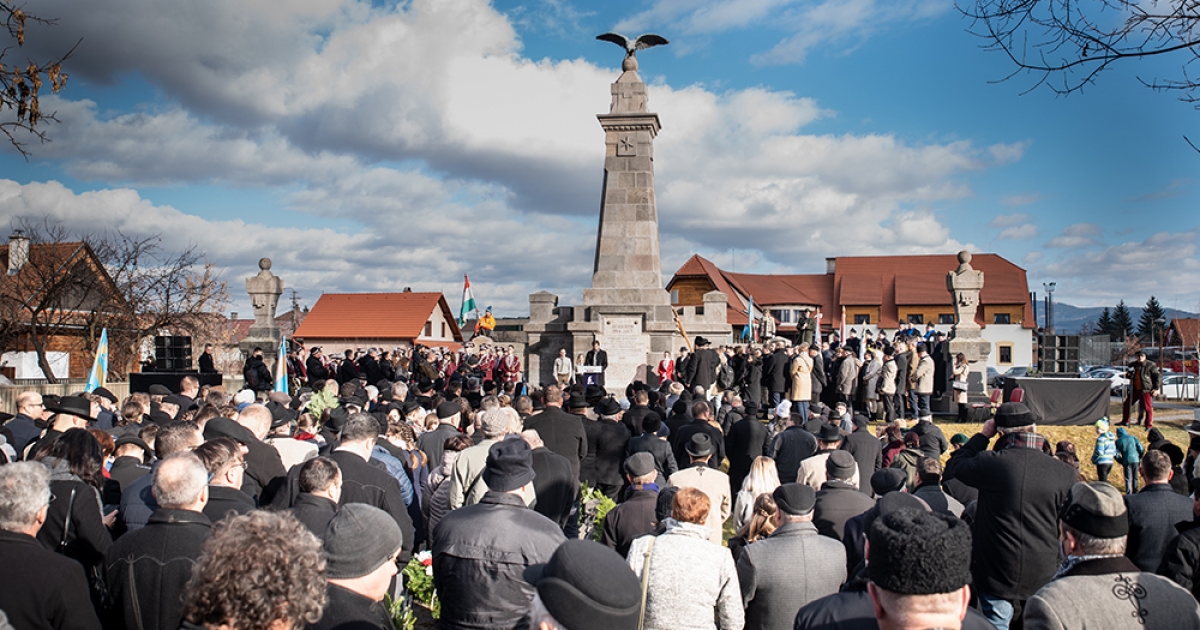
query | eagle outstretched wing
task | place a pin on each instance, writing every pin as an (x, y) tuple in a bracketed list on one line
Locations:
[(649, 40), (617, 39)]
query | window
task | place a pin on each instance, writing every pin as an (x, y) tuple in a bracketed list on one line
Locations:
[(862, 319), (1004, 354), (428, 329), (443, 329), (1001, 318), (916, 318), (946, 318), (783, 316), (675, 296)]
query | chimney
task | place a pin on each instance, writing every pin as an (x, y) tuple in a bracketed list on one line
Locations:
[(233, 315), (830, 265), (18, 252)]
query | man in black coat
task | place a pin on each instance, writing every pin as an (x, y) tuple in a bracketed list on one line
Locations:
[(433, 443), (256, 375), (632, 419), (819, 380), (265, 473), (933, 441), (606, 442), (315, 367), (701, 413), (775, 374), (556, 489), (635, 516), (839, 500), (38, 588), (347, 371), (320, 484), (658, 448), (146, 570), (206, 360), (1154, 512), (598, 358), (702, 369), (1015, 550), (562, 432), (130, 463), (903, 356), (866, 449), (790, 447), (747, 440)]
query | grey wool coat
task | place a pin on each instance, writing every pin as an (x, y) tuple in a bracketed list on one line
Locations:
[(1110, 592), (785, 571)]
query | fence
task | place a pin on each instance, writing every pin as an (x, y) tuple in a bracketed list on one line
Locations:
[(1098, 350), (9, 393)]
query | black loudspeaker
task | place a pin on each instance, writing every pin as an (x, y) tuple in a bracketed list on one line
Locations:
[(172, 354), (1059, 356)]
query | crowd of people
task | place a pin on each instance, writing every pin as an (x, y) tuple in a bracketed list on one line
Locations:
[(199, 508)]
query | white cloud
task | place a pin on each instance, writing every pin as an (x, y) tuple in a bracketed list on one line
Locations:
[(1019, 232), (422, 127), (1009, 220), (1163, 264), (1077, 235)]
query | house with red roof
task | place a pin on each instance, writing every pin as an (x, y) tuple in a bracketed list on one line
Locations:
[(353, 321), (870, 293)]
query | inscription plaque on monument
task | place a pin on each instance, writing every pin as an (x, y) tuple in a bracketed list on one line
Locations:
[(627, 346)]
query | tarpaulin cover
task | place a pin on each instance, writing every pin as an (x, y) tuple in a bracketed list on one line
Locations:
[(1063, 401)]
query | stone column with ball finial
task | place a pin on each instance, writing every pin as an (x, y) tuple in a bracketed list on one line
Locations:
[(965, 284)]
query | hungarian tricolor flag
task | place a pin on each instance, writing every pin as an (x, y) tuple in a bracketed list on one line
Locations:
[(468, 302)]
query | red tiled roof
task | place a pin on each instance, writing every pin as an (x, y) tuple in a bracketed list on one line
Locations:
[(1187, 329), (886, 281), (374, 316), (860, 290)]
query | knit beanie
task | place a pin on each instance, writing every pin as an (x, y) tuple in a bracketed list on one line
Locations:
[(358, 540)]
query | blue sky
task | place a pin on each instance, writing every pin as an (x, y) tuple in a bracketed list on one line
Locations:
[(373, 146)]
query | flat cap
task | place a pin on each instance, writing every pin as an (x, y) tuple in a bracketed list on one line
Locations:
[(796, 499), (639, 464), (1097, 509)]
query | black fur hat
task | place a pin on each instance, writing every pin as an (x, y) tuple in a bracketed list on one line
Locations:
[(914, 552)]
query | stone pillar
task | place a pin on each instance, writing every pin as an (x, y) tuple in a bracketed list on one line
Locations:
[(627, 268), (264, 290), (965, 284)]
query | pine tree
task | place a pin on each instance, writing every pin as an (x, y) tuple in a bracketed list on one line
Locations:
[(1104, 325), (1147, 326), (1122, 321)]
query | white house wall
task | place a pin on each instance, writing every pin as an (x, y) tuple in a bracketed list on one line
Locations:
[(1021, 339)]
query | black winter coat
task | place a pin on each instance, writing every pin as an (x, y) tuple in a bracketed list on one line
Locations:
[(788, 449), (633, 418), (42, 590), (314, 512), (664, 456), (1015, 550), (316, 370), (348, 610), (1181, 560), (556, 489), (87, 539), (747, 440), (702, 369), (868, 454), (147, 570), (257, 376), (562, 433), (852, 609), (632, 519), (606, 442), (265, 474), (774, 371), (933, 441), (224, 502), (1153, 514), (838, 502), (480, 553)]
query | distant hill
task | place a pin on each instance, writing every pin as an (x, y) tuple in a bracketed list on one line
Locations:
[(1071, 319)]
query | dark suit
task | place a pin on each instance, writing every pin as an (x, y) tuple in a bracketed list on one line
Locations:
[(702, 369), (868, 454), (598, 358), (554, 485), (747, 440), (606, 442), (788, 449), (774, 375), (1153, 514), (563, 433), (664, 456), (206, 363), (838, 502)]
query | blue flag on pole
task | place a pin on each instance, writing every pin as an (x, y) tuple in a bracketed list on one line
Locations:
[(748, 329), (98, 377), (281, 377)]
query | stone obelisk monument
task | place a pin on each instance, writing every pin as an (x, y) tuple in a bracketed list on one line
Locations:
[(627, 309), (264, 290), (965, 283)]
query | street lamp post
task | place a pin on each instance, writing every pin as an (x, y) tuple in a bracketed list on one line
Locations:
[(1049, 287)]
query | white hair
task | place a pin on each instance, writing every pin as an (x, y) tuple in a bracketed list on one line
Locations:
[(24, 490)]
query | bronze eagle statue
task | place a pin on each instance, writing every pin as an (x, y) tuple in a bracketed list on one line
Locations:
[(649, 40)]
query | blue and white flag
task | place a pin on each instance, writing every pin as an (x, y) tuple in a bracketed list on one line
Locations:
[(281, 372), (99, 374)]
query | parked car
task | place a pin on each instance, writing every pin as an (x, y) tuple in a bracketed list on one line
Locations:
[(1115, 376), (1017, 372), (1178, 386), (993, 377)]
